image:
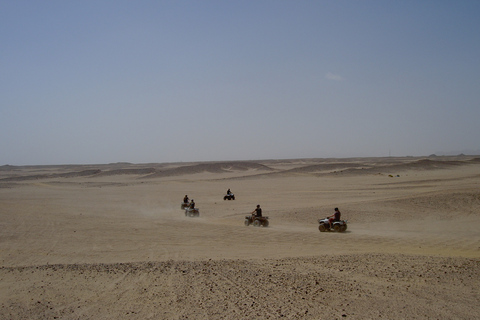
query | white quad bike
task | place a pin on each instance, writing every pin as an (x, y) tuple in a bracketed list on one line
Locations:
[(189, 212), (336, 226)]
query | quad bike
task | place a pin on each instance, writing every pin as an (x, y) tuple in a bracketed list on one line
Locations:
[(256, 221), (184, 205), (229, 196), (336, 226), (189, 212)]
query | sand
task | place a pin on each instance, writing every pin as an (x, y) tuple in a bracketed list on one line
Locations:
[(111, 242)]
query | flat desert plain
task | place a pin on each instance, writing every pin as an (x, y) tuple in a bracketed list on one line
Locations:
[(111, 241)]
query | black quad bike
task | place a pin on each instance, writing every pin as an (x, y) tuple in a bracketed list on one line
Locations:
[(229, 196), (256, 221), (336, 226)]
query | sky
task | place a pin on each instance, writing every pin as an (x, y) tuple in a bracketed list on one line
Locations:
[(93, 82)]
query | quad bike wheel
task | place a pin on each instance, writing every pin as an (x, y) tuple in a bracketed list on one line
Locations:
[(322, 228), (337, 228), (257, 223), (344, 227), (265, 223), (247, 222)]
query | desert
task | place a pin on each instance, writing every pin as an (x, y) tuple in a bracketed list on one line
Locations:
[(110, 241)]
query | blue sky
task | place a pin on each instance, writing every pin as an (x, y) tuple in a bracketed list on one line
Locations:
[(164, 81)]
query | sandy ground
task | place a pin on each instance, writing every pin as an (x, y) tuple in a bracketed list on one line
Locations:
[(111, 242)]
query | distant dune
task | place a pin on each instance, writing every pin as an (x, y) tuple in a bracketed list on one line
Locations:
[(211, 167), (319, 167)]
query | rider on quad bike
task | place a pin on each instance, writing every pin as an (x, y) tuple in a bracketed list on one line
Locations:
[(333, 223), (185, 203), (334, 217), (257, 212), (229, 195), (256, 218), (191, 211)]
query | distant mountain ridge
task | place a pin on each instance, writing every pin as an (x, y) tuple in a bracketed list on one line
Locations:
[(471, 152)]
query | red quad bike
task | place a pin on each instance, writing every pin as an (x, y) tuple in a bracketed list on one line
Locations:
[(337, 226), (192, 212), (256, 221)]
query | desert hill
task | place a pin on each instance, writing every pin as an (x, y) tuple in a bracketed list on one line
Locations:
[(248, 168)]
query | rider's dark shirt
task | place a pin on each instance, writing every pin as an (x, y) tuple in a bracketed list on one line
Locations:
[(337, 216), (258, 212)]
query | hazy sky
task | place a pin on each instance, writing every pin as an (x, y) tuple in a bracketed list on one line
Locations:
[(165, 81)]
